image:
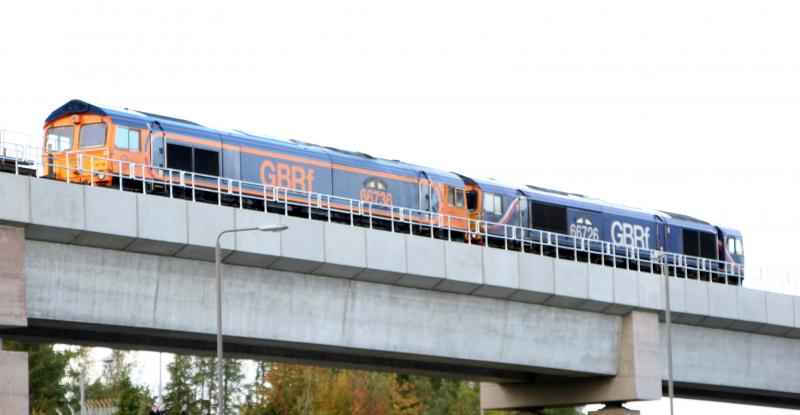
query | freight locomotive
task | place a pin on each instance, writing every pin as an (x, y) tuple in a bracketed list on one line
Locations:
[(80, 128)]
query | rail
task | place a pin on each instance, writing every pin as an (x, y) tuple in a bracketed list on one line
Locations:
[(149, 179)]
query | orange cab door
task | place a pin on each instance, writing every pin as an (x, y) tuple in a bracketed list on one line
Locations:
[(474, 202), (455, 206)]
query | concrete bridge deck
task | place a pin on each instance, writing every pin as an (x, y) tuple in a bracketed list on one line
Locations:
[(108, 267)]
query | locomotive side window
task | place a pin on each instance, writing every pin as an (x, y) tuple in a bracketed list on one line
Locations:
[(731, 245), (197, 160), (739, 247), (92, 135), (460, 198), (549, 217), (59, 138), (492, 203), (455, 197), (179, 157), (691, 242), (127, 138), (206, 162), (699, 244), (708, 245)]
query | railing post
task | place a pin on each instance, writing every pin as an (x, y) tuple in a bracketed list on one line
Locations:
[(308, 204), (66, 165), (91, 171)]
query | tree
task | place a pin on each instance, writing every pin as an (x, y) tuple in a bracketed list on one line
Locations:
[(132, 399), (233, 376), (114, 384), (179, 388), (204, 380), (118, 369), (46, 370), (297, 390), (256, 391), (287, 386)]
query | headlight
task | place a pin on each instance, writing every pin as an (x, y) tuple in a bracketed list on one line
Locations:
[(100, 176)]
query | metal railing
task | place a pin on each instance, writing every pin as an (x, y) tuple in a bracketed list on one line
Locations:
[(19, 151), (149, 179)]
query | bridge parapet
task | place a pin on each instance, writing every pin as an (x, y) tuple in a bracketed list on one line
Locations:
[(111, 219)]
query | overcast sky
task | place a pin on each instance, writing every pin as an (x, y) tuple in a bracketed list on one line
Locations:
[(685, 106)]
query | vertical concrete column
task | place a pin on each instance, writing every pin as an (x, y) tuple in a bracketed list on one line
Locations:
[(638, 377), (14, 383), (13, 307), (13, 313)]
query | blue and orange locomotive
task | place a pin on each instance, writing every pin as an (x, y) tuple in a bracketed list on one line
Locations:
[(121, 139)]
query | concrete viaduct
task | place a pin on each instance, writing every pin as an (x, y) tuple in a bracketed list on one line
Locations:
[(97, 266)]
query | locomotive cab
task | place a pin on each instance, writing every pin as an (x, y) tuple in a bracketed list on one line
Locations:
[(731, 252), (83, 144), (731, 248)]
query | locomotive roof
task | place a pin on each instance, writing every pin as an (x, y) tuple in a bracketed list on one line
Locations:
[(172, 124), (686, 218), (578, 201), (77, 106)]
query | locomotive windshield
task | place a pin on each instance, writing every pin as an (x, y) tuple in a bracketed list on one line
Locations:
[(735, 246), (59, 138), (92, 135)]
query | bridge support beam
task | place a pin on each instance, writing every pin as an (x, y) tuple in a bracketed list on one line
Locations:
[(13, 313), (638, 377)]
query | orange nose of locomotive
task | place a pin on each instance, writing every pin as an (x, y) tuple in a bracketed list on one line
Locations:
[(76, 148)]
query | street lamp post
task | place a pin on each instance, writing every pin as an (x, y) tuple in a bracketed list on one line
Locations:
[(217, 260), (668, 323)]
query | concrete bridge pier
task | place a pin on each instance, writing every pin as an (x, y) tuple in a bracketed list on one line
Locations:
[(13, 313), (638, 377)]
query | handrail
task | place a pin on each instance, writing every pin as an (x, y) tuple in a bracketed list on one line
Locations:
[(509, 237)]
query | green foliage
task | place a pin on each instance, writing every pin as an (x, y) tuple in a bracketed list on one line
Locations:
[(179, 389), (115, 383), (117, 370), (193, 382), (204, 379), (47, 368), (233, 377), (131, 399), (443, 396), (296, 390), (281, 389)]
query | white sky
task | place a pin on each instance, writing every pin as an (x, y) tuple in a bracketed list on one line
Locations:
[(686, 106)]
